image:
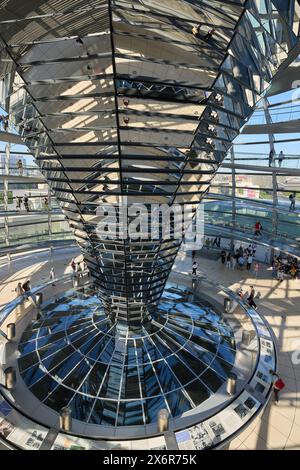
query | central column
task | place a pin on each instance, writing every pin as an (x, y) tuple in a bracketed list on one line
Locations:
[(136, 248)]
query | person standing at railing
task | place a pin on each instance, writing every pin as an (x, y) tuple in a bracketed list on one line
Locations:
[(26, 288), (281, 157), (19, 289), (223, 256), (26, 203), (73, 265), (85, 267), (240, 292), (78, 270), (292, 198), (250, 299), (5, 123), (20, 167), (241, 262), (267, 255), (46, 203), (194, 268), (249, 261), (233, 262), (271, 157), (228, 260), (196, 31), (280, 274), (294, 271), (19, 203)]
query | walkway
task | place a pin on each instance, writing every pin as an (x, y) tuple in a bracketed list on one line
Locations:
[(279, 427), (10, 138), (289, 247), (39, 179)]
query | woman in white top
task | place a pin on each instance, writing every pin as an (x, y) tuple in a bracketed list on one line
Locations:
[(19, 289)]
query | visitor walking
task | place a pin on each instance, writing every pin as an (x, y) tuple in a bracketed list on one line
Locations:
[(251, 298), (215, 242), (52, 276), (281, 157), (257, 229), (278, 385), (292, 198), (223, 256), (194, 268)]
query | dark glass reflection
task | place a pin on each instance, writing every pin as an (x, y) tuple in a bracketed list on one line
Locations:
[(75, 356)]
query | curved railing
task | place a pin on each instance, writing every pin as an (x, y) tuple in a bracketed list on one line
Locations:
[(212, 431)]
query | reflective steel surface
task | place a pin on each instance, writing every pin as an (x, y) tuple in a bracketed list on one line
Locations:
[(136, 102)]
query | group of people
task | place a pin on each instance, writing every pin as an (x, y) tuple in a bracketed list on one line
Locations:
[(77, 268), (25, 200), (28, 130), (285, 266), (249, 297), (23, 289), (22, 200), (272, 159), (212, 242), (239, 258), (205, 35)]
